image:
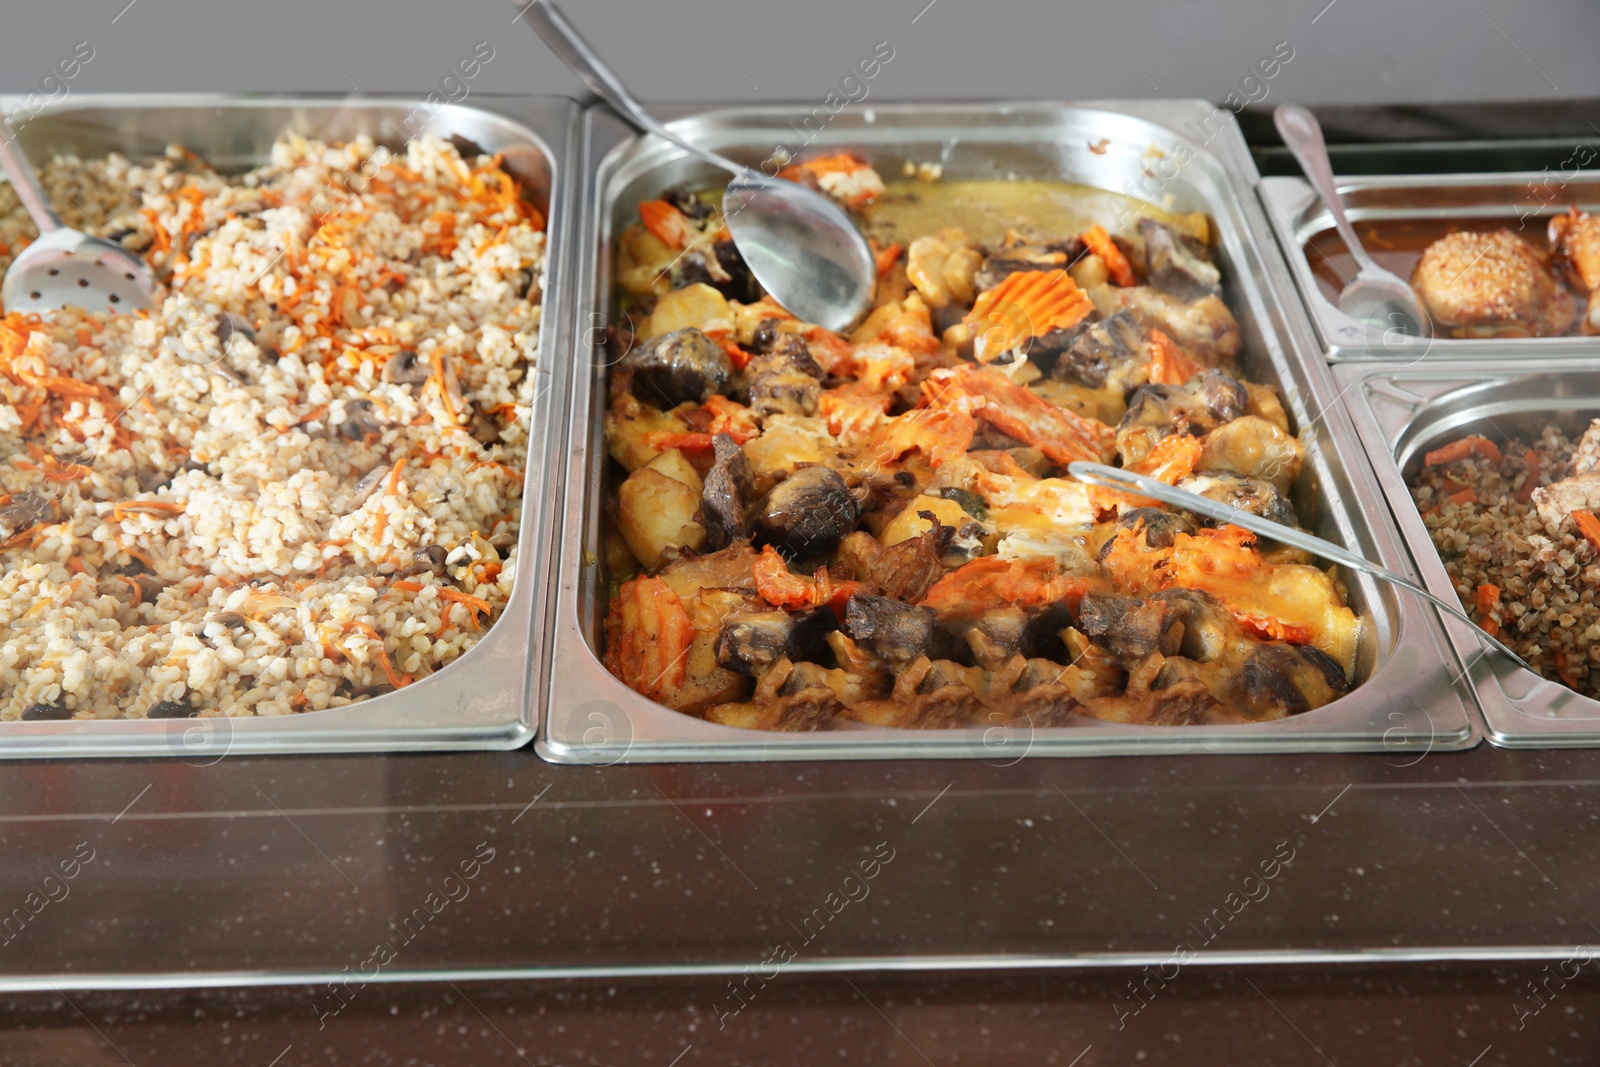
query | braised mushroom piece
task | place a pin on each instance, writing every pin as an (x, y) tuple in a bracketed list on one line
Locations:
[(1255, 495), (808, 513), (23, 511), (45, 711), (681, 367), (752, 642), (1177, 267), (429, 559), (892, 630), (405, 368), (360, 419), (725, 496), (1208, 400)]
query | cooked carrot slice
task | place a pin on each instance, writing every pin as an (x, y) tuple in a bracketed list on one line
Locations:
[(886, 259), (1589, 526), (666, 222), (732, 418), (648, 635), (1171, 460), (990, 581), (852, 409), (1462, 449), (941, 435), (1488, 603), (1268, 628), (1028, 303), (838, 163), (1060, 433), (1101, 244), (1466, 496), (781, 587), (1169, 364), (1531, 482), (666, 440), (723, 339)]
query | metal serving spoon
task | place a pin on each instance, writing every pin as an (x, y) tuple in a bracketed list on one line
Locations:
[(800, 245), (1374, 295), (1116, 478), (63, 267)]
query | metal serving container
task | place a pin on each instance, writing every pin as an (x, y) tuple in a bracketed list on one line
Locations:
[(485, 699), (1297, 216), (1400, 414), (1407, 701)]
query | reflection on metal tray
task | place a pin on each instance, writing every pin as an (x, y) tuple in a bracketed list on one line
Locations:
[(1524, 202), (484, 700), (1402, 414), (1407, 702)]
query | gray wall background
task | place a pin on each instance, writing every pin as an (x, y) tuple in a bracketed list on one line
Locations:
[(1351, 51)]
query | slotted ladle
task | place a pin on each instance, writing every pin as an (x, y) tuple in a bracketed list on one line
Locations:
[(66, 267)]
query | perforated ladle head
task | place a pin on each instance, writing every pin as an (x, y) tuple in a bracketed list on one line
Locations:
[(66, 268)]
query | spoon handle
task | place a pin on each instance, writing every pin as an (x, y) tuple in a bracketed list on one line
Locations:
[(549, 23), (24, 181), (1303, 134), (1116, 478)]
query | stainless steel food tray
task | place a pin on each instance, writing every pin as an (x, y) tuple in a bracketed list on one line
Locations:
[(485, 699), (1402, 413), (1297, 215), (1408, 702)]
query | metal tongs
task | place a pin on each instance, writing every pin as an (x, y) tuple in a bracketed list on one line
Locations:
[(1128, 481)]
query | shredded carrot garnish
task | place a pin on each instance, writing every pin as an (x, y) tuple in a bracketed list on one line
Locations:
[(666, 222), (167, 507), (437, 377), (1026, 304), (1589, 526), (1101, 244), (409, 587), (138, 554), (1462, 449), (380, 653), (75, 565), (134, 587), (1489, 602), (1169, 364), (1531, 482), (1566, 670), (477, 605)]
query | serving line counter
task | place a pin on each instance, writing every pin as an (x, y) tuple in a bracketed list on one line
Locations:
[(346, 881)]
